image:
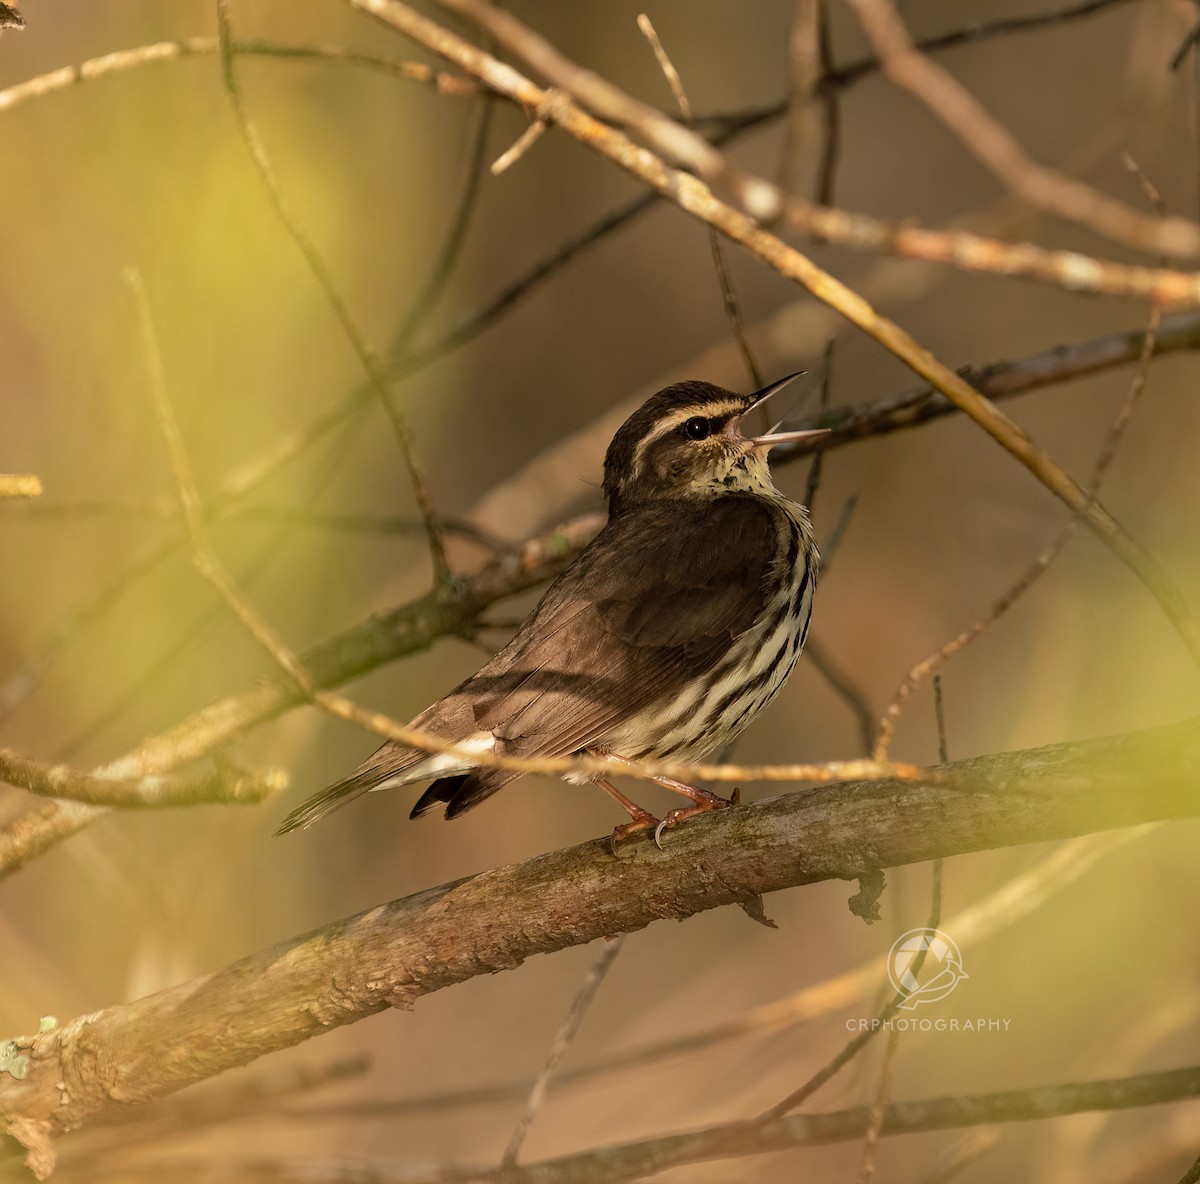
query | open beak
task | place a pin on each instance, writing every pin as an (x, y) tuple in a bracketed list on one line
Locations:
[(771, 438)]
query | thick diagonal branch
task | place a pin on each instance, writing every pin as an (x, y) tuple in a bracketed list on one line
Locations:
[(93, 1067)]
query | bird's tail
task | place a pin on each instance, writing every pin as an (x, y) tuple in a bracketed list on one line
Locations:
[(390, 765), (326, 802)]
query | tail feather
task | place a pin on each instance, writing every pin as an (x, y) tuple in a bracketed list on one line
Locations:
[(392, 764), (463, 792), (328, 800), (461, 785), (441, 791)]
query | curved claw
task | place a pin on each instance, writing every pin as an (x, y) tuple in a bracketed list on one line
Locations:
[(628, 829), (663, 825)]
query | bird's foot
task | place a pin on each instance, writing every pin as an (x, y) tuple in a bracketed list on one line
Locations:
[(642, 820), (704, 802)]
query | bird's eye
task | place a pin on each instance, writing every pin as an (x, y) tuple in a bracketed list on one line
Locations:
[(697, 428)]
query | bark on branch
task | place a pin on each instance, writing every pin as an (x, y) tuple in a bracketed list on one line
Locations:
[(95, 1066)]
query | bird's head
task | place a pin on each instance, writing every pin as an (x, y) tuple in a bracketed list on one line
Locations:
[(688, 441)]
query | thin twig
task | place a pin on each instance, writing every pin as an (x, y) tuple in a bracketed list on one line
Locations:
[(520, 146), (939, 711), (733, 310), (938, 658), (729, 298), (1185, 46), (831, 114), (222, 784), (815, 469), (833, 544), (996, 148), (621, 1162), (372, 365), (866, 1169), (167, 51), (342, 522), (562, 1040), (425, 298), (804, 78), (845, 688), (858, 1042)]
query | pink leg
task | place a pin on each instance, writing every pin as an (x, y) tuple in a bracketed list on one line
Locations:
[(702, 800), (640, 819)]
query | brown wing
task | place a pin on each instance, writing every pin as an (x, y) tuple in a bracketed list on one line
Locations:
[(653, 603)]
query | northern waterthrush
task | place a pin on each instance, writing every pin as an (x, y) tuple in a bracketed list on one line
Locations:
[(662, 640)]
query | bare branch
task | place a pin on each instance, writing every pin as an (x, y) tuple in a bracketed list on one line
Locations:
[(167, 51), (729, 298), (372, 365), (425, 298), (629, 1161), (858, 1042), (846, 689), (392, 955), (223, 783), (1001, 380), (523, 143), (562, 1040), (754, 196), (805, 75), (160, 510), (994, 146), (934, 661), (866, 1170)]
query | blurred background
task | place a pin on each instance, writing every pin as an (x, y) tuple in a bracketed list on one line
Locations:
[(146, 168)]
